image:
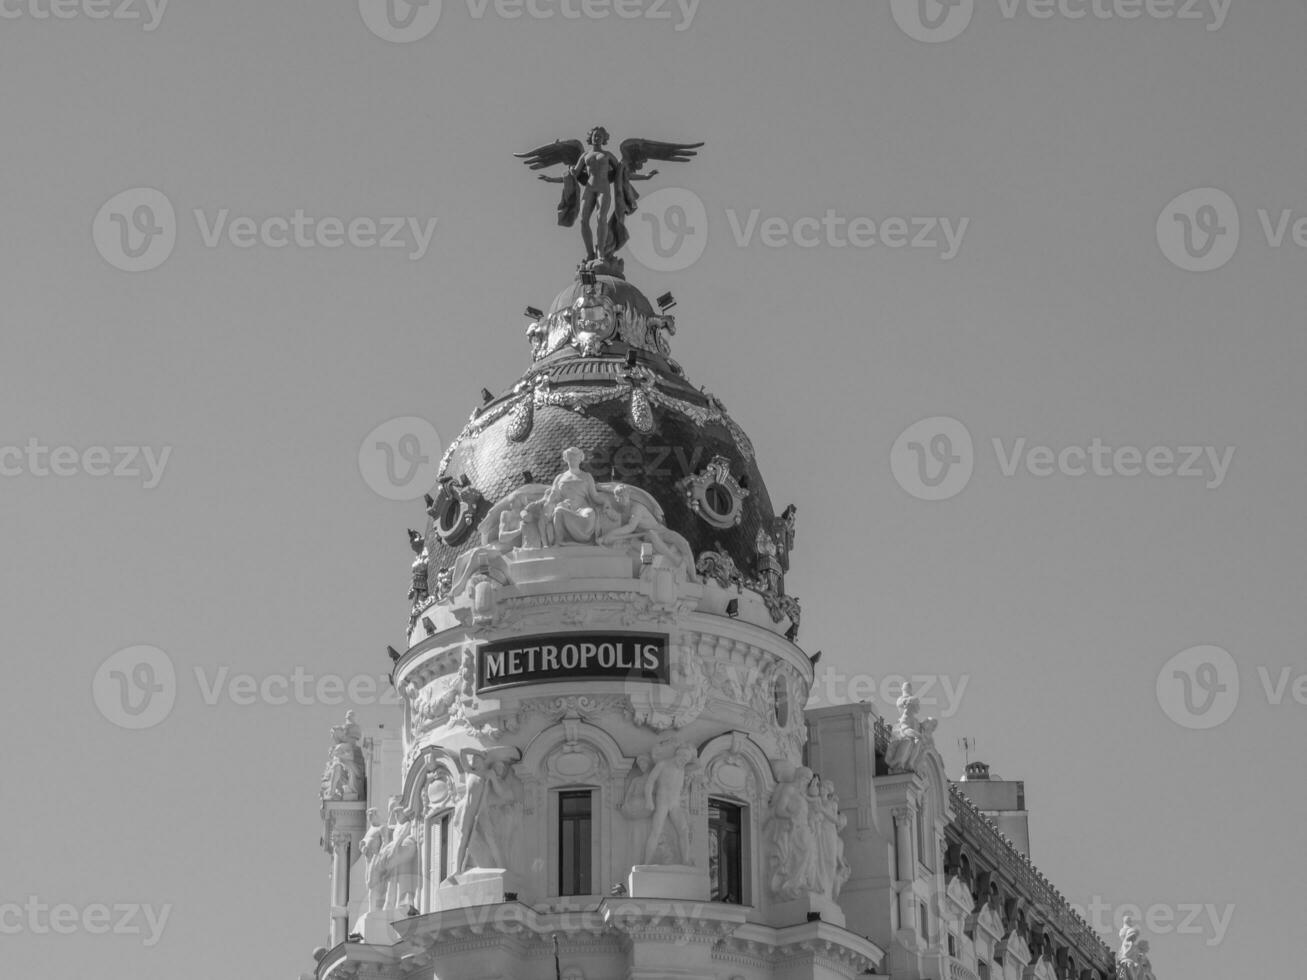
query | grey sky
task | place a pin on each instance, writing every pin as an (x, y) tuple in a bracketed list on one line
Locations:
[(1059, 320)]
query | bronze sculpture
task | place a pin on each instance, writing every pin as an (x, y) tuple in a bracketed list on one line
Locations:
[(597, 181)]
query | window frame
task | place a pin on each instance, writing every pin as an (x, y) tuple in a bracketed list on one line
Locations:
[(742, 846), (583, 843)]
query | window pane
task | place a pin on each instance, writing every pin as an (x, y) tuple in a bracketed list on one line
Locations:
[(444, 847), (574, 843), (725, 852)]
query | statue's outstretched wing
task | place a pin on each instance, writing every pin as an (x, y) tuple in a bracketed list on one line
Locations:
[(560, 151), (637, 152)]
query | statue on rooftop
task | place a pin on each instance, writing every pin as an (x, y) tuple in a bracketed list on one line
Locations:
[(912, 735), (1132, 961), (597, 184)]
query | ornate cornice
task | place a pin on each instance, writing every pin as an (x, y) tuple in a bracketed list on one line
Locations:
[(982, 836)]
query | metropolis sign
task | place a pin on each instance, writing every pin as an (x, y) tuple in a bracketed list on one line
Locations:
[(616, 655)]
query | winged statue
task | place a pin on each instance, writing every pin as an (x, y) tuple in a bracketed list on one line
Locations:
[(598, 185)]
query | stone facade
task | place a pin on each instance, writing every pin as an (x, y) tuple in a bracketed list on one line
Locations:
[(603, 766)]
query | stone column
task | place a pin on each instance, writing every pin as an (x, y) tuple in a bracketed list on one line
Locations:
[(340, 843), (906, 870)]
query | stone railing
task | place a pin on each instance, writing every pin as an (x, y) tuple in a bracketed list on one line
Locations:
[(956, 971)]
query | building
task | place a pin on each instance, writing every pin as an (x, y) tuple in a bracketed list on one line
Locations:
[(603, 766), (1003, 801)]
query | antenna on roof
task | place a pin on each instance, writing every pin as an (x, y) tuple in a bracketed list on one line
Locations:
[(967, 745)]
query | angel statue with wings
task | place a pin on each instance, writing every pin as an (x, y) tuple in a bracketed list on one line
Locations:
[(597, 181)]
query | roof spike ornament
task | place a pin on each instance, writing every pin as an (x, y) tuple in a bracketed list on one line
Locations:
[(598, 187)]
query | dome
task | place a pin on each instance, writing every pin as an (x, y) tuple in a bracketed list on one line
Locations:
[(603, 380)]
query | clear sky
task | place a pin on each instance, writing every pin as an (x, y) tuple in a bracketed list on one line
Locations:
[(1062, 318)]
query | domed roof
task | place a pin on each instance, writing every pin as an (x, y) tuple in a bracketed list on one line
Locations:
[(603, 380)]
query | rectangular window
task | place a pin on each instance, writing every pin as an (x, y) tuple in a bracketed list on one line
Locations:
[(925, 921), (574, 844), (952, 945), (444, 848), (726, 852), (982, 969), (923, 841)]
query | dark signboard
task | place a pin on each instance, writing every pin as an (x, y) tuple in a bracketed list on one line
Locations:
[(540, 659)]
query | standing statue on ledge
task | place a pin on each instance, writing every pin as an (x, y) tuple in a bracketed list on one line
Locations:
[(419, 591), (791, 843), (595, 180), (344, 778), (375, 876), (663, 789)]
